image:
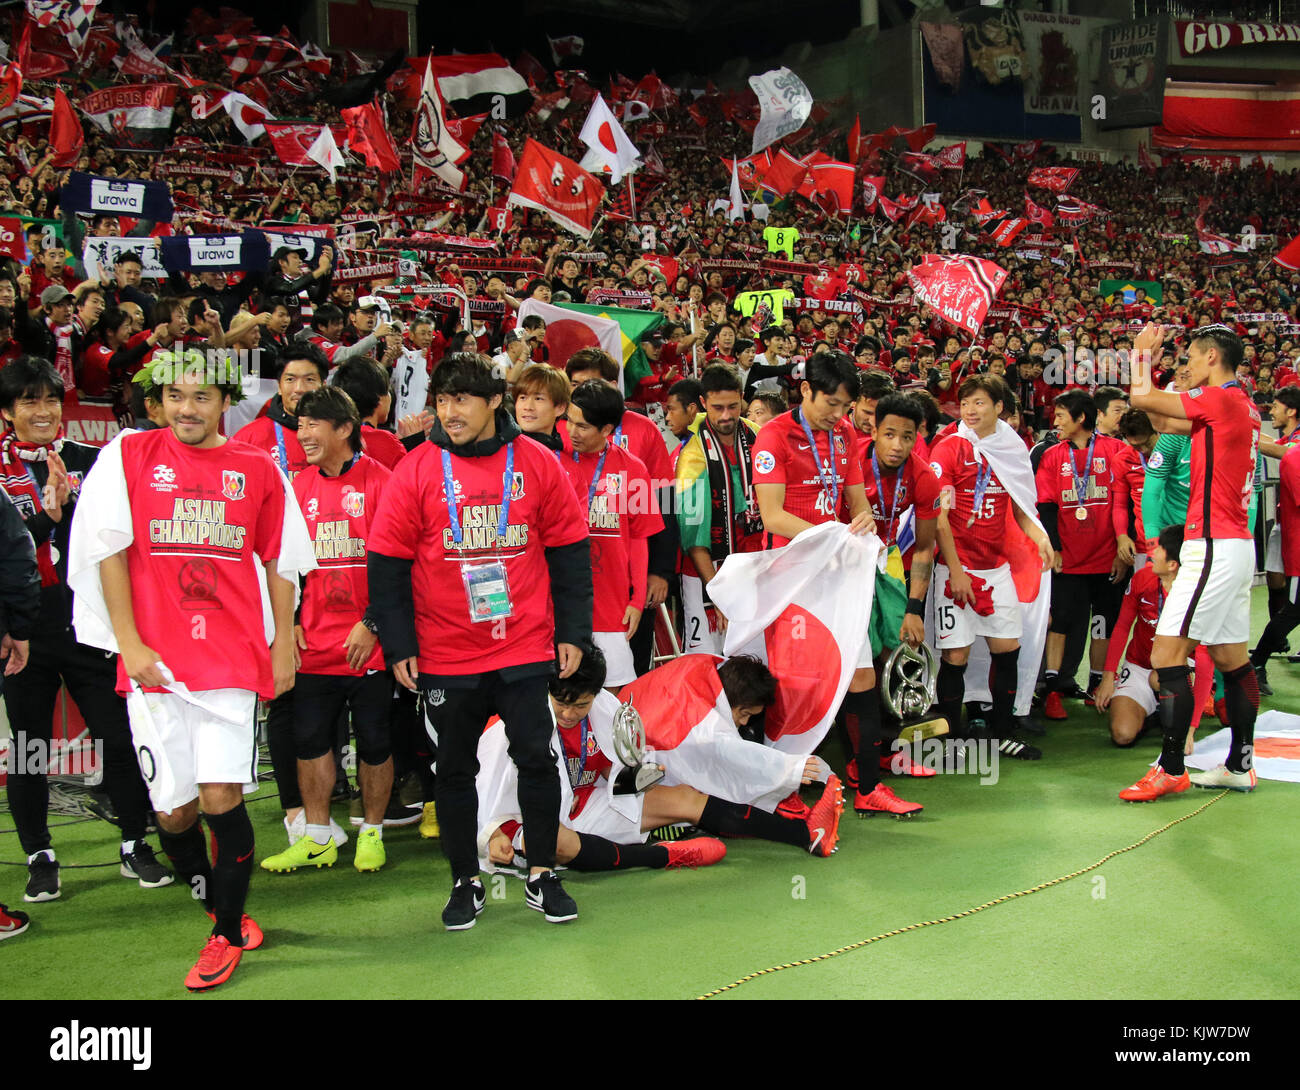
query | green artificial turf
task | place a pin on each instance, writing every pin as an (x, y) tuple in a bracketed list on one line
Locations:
[(1217, 889)]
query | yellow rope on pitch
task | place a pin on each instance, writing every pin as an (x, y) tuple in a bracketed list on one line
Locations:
[(961, 915)]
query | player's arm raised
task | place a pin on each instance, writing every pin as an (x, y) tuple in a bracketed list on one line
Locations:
[(1146, 353)]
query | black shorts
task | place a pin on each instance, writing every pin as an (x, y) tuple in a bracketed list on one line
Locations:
[(317, 701), (1076, 597)]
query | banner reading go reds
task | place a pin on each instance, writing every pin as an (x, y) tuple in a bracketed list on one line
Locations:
[(549, 182)]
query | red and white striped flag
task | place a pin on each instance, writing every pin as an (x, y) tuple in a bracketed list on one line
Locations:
[(960, 288), (433, 148)]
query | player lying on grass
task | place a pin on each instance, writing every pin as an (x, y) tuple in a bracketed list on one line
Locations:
[(605, 820)]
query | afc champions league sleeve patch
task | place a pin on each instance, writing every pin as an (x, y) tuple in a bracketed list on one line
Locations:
[(1156, 460), (764, 462)]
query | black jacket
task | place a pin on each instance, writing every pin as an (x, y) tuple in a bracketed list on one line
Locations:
[(56, 600), (392, 603), (20, 582)]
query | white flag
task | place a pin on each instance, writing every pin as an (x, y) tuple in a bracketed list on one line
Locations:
[(785, 102), (609, 144), (247, 115), (325, 151), (736, 206), (432, 146)]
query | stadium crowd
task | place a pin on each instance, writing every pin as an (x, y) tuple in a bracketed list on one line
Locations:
[(758, 369)]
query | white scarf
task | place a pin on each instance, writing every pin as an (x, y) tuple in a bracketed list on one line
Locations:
[(1005, 452)]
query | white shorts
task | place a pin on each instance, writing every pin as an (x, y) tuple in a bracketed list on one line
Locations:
[(1210, 599), (1273, 551), (181, 744), (619, 668), (1134, 682), (697, 636), (599, 818), (957, 626)]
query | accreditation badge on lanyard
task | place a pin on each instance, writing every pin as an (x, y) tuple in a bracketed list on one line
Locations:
[(487, 587)]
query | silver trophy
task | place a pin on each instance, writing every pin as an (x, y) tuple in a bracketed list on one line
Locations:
[(630, 748), (909, 690)]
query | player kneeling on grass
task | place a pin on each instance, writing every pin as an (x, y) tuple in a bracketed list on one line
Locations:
[(339, 660), (607, 819), (166, 547), (1125, 691)]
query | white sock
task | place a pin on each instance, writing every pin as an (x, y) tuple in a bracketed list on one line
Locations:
[(128, 846), (365, 828), (320, 834), (47, 852)]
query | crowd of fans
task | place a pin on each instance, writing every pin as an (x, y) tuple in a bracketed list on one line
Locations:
[(667, 249)]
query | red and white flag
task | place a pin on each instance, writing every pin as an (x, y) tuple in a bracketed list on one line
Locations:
[(873, 188), (1036, 213), (953, 157), (1028, 149), (556, 185), (1057, 179), (564, 49), (1073, 211), (369, 137), (929, 212), (138, 115), (569, 330), (999, 224), (891, 210), (326, 152), (1144, 159), (247, 115), (608, 146), (782, 606), (292, 141), (1210, 243), (66, 137), (503, 159), (919, 165), (836, 180), (433, 148), (960, 288)]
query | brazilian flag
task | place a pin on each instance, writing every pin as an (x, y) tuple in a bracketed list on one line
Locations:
[(633, 324), (1122, 290)]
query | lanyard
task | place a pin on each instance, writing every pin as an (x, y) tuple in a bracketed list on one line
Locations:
[(880, 493), (449, 488), (1142, 458), (595, 477), (983, 475), (617, 437), (279, 445), (576, 781), (1081, 483), (36, 486), (834, 484)]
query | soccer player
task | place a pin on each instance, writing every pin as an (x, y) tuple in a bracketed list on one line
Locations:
[(986, 485), (1112, 404), (175, 532), (480, 578), (717, 509), (1284, 621), (764, 407), (1075, 505), (873, 385), (340, 664), (1125, 689), (1284, 414), (1209, 602), (541, 399), (43, 474), (1130, 480), (681, 407), (303, 368), (365, 381), (894, 479), (614, 486), (606, 829)]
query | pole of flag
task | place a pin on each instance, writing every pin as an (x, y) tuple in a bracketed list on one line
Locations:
[(631, 193)]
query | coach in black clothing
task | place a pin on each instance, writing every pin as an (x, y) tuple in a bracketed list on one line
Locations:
[(287, 277), (33, 456)]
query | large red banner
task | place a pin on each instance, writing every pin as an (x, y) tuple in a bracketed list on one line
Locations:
[(1197, 38)]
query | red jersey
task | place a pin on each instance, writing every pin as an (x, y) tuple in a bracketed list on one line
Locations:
[(981, 545), (1088, 546), (93, 380), (638, 435), (782, 455), (279, 442), (339, 512), (1140, 611), (199, 515), (414, 524), (330, 348), (1225, 440), (383, 446), (914, 483), (1130, 473), (585, 763), (1288, 510), (621, 511)]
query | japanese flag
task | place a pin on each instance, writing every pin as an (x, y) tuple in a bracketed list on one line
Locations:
[(786, 606), (609, 146)]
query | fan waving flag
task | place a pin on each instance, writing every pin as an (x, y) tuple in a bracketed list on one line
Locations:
[(551, 183), (567, 332), (368, 135), (137, 115), (999, 224), (433, 148), (960, 288), (246, 114), (836, 180), (735, 198), (783, 606), (873, 187), (503, 159), (1057, 179), (953, 157), (1037, 214), (293, 140), (326, 152), (1289, 256), (608, 145), (66, 137), (632, 326)]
